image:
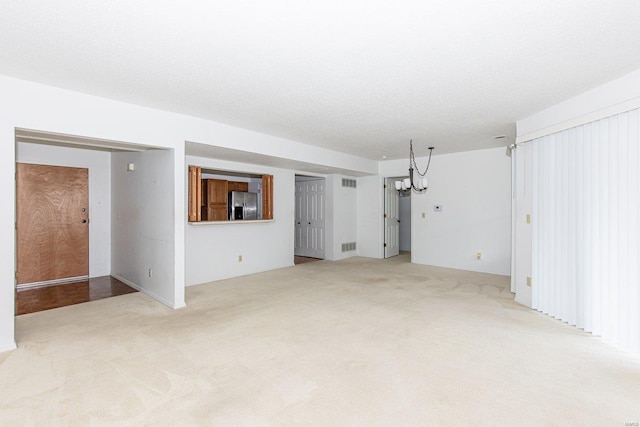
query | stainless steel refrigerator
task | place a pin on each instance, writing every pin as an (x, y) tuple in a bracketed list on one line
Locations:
[(243, 205)]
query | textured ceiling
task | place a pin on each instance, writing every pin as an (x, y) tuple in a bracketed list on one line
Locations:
[(362, 77)]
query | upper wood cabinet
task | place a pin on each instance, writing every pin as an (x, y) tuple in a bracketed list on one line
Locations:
[(238, 186)]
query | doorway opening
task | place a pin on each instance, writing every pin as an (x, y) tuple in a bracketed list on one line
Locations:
[(72, 203), (397, 219), (52, 239), (309, 221)]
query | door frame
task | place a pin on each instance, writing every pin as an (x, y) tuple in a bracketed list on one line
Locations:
[(389, 188), (79, 216), (306, 178), (386, 182)]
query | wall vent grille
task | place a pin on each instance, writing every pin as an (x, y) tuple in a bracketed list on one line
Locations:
[(347, 247), (346, 182)]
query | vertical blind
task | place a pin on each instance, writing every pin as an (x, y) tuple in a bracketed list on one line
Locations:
[(586, 231)]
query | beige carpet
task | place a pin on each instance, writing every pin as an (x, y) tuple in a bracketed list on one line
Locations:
[(359, 342)]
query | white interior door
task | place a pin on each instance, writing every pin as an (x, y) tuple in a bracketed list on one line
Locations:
[(300, 224), (391, 219), (310, 218), (315, 199)]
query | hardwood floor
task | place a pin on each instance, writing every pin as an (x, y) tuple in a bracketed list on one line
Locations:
[(46, 297), (303, 260)]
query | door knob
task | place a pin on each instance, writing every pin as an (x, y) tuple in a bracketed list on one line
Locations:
[(84, 209)]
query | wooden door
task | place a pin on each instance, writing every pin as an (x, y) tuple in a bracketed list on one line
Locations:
[(52, 225)]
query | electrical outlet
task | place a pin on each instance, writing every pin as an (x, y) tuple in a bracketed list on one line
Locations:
[(528, 281), (424, 214), (528, 218), (478, 255), (150, 273), (239, 258)]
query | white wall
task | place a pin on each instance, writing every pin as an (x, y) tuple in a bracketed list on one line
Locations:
[(342, 217), (142, 222), (370, 232), (474, 189), (7, 245), (329, 188), (99, 165), (212, 250), (523, 207)]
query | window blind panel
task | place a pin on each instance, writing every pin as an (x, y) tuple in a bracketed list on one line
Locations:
[(633, 300), (621, 326), (579, 232), (537, 236), (586, 231)]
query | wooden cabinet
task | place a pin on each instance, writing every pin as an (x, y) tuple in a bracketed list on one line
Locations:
[(214, 199), (238, 186)]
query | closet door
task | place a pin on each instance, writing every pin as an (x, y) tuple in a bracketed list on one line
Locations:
[(309, 221)]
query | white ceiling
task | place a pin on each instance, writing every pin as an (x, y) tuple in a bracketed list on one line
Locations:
[(361, 76)]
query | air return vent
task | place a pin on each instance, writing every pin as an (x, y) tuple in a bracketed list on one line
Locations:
[(351, 246), (346, 182)]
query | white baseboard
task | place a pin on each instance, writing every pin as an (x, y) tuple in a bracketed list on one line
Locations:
[(9, 347), (146, 291)]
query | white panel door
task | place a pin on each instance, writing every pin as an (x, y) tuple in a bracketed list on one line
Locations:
[(315, 200), (391, 219), (299, 223), (310, 218)]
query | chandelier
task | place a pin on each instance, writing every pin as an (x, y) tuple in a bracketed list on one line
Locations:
[(420, 182)]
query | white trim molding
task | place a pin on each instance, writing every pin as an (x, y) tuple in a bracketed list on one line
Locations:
[(613, 110)]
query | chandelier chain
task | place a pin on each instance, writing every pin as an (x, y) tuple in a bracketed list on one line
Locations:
[(412, 160), (417, 180)]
